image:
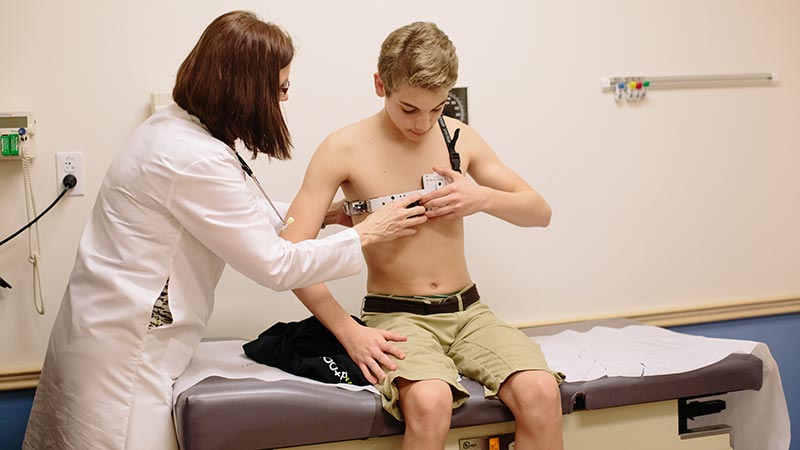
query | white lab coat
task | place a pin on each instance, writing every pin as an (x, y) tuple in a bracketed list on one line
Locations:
[(174, 205)]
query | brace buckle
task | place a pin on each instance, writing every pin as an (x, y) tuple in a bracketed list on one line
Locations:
[(356, 208)]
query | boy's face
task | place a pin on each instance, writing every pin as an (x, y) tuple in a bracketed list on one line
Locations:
[(414, 111)]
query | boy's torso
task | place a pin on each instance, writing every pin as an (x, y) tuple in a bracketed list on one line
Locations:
[(430, 262)]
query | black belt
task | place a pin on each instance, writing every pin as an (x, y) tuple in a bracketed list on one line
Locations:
[(448, 305)]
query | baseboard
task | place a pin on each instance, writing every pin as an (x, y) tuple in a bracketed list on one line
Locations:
[(19, 378), (719, 313), (672, 317)]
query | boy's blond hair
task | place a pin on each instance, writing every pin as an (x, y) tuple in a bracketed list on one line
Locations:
[(418, 55)]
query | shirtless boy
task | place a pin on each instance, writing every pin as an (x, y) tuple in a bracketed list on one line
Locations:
[(387, 154)]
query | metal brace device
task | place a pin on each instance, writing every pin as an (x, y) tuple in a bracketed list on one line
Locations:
[(430, 181)]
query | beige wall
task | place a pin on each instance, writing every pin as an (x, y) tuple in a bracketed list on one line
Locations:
[(687, 198)]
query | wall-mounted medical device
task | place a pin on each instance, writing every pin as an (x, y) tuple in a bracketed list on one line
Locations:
[(455, 105), (633, 88), (17, 130), (16, 135)]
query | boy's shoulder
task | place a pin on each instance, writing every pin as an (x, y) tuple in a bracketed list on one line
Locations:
[(351, 136)]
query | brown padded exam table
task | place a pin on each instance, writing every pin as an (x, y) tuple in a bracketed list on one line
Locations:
[(650, 412)]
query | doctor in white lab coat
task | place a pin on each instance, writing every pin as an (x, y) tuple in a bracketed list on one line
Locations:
[(173, 209)]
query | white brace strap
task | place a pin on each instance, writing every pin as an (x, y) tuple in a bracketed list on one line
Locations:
[(430, 182)]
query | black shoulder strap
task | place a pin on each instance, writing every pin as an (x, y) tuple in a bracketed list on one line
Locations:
[(455, 158)]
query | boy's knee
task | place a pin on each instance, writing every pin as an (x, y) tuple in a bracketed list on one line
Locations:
[(426, 401), (533, 393)]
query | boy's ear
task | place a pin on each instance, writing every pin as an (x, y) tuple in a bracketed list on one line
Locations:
[(379, 88)]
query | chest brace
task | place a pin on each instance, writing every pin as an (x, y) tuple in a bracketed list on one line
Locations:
[(430, 181)]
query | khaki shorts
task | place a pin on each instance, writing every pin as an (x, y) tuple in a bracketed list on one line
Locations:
[(473, 343)]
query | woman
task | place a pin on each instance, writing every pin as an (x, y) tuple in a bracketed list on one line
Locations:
[(173, 209)]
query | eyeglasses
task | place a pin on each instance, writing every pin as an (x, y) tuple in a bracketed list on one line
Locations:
[(285, 87)]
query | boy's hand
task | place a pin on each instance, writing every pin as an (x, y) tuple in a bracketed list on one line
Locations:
[(370, 349), (336, 215), (461, 198)]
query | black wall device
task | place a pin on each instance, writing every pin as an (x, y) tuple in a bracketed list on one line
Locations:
[(456, 104)]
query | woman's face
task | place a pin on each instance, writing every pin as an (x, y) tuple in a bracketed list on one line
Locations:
[(283, 77)]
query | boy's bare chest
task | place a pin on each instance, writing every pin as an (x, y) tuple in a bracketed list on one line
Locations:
[(390, 169)]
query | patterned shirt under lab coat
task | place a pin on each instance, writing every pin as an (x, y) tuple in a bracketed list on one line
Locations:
[(174, 206)]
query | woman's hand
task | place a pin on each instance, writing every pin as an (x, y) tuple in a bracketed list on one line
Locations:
[(370, 348), (460, 198), (392, 221)]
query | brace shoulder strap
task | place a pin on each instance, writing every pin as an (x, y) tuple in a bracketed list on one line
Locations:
[(455, 158)]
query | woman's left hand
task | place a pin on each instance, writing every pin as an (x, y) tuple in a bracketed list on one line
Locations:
[(461, 198)]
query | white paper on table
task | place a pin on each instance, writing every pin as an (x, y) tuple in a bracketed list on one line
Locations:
[(227, 359), (633, 351), (760, 419)]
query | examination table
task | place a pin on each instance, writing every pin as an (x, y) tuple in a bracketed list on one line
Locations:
[(614, 412)]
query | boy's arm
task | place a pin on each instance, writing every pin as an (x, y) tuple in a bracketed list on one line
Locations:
[(499, 190), (368, 347)]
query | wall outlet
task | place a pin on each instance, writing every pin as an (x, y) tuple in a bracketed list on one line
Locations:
[(70, 163)]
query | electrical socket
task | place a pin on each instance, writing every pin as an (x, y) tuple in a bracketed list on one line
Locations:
[(70, 163)]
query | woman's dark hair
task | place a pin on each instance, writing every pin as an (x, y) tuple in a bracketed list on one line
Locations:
[(231, 82)]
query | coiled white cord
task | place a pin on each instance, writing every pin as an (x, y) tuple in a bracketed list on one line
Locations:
[(33, 232)]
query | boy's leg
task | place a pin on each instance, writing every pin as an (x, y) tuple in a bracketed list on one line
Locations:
[(424, 389), (511, 366), (427, 407), (535, 400)]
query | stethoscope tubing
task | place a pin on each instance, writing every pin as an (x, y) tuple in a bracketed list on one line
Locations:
[(246, 168)]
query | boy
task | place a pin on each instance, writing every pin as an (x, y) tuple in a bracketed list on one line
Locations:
[(422, 288)]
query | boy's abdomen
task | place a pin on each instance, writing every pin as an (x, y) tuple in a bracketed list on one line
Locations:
[(428, 263)]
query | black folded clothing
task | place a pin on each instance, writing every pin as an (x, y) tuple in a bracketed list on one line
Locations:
[(306, 349)]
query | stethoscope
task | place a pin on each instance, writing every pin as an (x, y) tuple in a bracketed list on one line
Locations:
[(285, 222)]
